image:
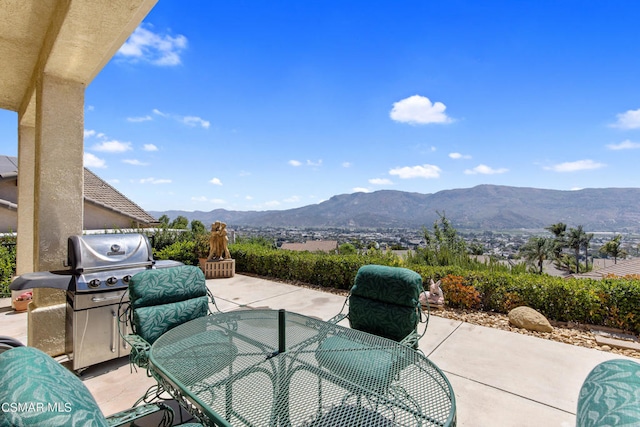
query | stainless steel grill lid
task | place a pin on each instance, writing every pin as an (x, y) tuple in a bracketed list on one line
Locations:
[(108, 251)]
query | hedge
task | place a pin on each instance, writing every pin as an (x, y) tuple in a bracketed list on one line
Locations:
[(613, 302)]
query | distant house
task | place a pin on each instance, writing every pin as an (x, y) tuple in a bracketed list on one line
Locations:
[(104, 206), (623, 268), (329, 246)]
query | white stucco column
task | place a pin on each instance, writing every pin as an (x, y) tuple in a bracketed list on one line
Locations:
[(58, 202)]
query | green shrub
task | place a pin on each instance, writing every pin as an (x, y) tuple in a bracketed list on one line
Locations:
[(611, 302), (183, 251), (7, 265)]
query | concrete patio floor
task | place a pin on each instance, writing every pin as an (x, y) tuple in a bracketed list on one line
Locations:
[(499, 378)]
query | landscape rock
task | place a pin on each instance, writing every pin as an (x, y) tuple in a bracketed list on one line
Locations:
[(529, 319)]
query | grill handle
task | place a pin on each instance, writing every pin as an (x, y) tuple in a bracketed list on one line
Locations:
[(114, 329), (100, 299)]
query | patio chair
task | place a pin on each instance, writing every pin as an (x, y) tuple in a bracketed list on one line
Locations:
[(385, 301), (37, 390), (7, 343), (160, 300), (610, 395)]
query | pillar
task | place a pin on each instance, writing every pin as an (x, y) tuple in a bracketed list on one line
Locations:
[(58, 201)]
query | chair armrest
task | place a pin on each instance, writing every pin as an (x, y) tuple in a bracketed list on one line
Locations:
[(127, 416)]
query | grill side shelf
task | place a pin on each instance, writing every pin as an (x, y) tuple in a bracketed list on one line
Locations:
[(43, 279)]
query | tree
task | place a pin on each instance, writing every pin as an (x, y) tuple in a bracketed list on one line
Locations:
[(559, 242), (179, 223), (537, 250), (197, 227), (575, 240), (164, 220), (347, 249), (614, 249), (586, 242), (444, 246)]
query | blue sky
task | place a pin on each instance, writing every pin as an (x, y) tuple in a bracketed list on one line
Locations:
[(252, 105)]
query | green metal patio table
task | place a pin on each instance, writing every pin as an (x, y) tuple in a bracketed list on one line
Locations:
[(276, 368)]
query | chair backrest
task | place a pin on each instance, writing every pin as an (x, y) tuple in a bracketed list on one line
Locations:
[(36, 391), (610, 395), (385, 301), (164, 298)]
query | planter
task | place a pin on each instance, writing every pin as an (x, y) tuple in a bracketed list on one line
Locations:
[(21, 305)]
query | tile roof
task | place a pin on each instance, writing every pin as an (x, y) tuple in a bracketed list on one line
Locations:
[(312, 246), (96, 191), (622, 268)]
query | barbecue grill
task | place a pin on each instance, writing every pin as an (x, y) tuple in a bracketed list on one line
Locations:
[(100, 266)]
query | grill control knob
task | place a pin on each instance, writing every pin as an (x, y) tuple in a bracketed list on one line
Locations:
[(94, 283), (112, 281), (126, 278)]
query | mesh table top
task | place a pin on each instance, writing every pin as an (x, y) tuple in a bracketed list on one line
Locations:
[(229, 369)]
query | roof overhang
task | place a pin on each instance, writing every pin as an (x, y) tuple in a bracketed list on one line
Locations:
[(70, 39)]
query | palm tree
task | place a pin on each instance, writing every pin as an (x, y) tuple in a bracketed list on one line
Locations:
[(586, 242), (574, 240), (613, 248), (536, 250), (559, 232)]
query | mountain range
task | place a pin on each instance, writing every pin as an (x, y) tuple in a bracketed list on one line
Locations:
[(481, 208)]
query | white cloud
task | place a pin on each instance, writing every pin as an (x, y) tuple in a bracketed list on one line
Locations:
[(578, 165), (139, 119), (380, 181), (195, 121), (423, 171), (218, 201), (295, 163), (457, 156), (272, 203), (154, 181), (88, 133), (347, 164), (154, 48), (361, 190), (248, 197), (292, 199), (199, 199), (314, 164), (149, 147), (90, 108), (244, 173), (624, 145), (112, 146), (216, 181), (191, 121), (419, 110), (92, 161), (485, 170), (114, 181), (628, 120), (135, 162)]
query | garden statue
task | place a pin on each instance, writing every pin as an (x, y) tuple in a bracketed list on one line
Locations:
[(434, 296), (218, 241)]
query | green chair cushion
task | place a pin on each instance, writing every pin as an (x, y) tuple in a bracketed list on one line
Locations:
[(151, 322), (386, 320), (356, 362), (385, 301), (610, 395), (50, 394), (394, 285), (166, 285)]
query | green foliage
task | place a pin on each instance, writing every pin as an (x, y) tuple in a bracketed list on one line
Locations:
[(328, 270), (179, 223), (7, 264), (347, 249), (183, 251), (610, 302), (197, 227), (613, 249)]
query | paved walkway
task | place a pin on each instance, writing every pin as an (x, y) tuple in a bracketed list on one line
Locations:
[(499, 378)]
